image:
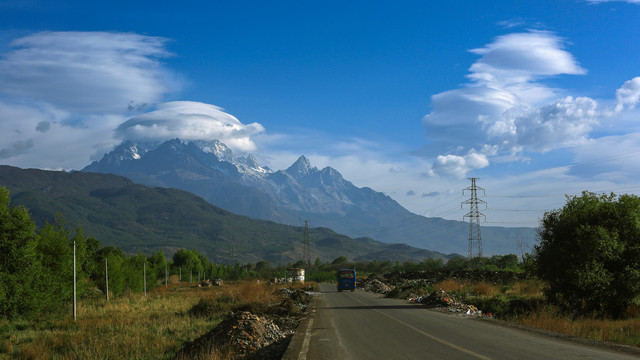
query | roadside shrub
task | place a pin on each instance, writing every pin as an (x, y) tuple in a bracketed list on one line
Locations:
[(496, 304), (210, 307), (508, 306), (589, 253)]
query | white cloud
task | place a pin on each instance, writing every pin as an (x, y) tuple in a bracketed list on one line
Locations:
[(522, 57), (86, 71), (506, 108), (191, 120), (42, 139), (62, 94), (628, 95), (612, 158), (458, 166), (565, 122)]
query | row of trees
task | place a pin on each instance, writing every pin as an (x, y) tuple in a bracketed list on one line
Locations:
[(36, 269), (588, 255), (36, 266)]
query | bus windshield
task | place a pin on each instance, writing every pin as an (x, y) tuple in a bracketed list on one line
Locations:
[(346, 274)]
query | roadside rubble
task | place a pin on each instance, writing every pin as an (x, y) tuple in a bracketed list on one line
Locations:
[(412, 286), (262, 333), (448, 302), (374, 283), (209, 283)]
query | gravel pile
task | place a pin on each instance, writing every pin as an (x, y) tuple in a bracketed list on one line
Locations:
[(448, 302), (408, 285), (248, 335)]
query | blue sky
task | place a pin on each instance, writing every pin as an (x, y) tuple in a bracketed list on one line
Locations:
[(537, 99)]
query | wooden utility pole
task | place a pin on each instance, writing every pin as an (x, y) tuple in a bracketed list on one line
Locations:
[(75, 304), (106, 276), (144, 277)]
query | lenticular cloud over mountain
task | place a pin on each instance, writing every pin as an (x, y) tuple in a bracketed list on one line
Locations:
[(190, 120)]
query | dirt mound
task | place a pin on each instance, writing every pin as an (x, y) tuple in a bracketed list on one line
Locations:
[(253, 330)]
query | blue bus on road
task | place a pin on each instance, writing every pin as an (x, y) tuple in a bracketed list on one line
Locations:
[(346, 279)]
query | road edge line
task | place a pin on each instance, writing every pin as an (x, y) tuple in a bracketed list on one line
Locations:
[(302, 335)]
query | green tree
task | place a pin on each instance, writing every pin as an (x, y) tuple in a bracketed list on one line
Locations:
[(432, 264), (157, 262), (55, 255), (19, 265), (190, 261), (456, 263), (116, 270), (263, 268), (589, 253), (134, 278), (340, 262)]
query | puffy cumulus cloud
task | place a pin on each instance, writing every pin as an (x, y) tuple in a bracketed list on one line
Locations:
[(87, 71), (566, 122), (628, 95), (191, 120), (505, 107), (458, 166)]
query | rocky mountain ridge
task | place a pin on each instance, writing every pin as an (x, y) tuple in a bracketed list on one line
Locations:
[(301, 192)]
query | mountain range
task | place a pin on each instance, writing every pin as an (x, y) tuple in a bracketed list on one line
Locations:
[(301, 192), (137, 218)]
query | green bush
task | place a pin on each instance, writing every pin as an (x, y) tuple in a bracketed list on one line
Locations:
[(589, 253), (507, 306)]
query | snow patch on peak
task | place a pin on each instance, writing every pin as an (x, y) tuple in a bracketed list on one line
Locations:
[(246, 165)]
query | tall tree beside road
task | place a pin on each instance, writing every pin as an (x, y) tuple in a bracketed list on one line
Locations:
[(36, 269), (19, 266), (55, 254), (589, 253)]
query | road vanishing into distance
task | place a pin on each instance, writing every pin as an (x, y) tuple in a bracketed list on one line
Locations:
[(362, 325)]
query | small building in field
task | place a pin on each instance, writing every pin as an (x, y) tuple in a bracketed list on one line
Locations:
[(295, 275)]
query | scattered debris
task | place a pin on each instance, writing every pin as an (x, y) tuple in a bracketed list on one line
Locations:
[(410, 284), (448, 302), (251, 335), (374, 283)]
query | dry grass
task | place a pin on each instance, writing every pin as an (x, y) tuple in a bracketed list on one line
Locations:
[(625, 331), (450, 285), (132, 326), (485, 289)]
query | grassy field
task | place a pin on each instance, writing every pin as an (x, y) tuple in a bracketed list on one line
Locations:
[(132, 326), (522, 302), (157, 325)]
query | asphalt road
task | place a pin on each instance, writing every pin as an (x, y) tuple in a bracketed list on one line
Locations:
[(361, 325)]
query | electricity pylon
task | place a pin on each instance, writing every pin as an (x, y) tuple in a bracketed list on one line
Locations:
[(475, 238)]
